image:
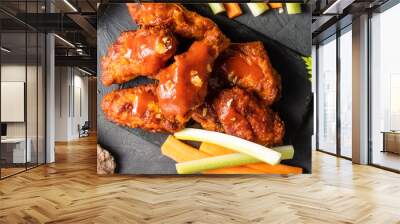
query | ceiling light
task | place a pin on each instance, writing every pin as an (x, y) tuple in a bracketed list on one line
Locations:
[(70, 5), (328, 10), (5, 50), (84, 71), (64, 40), (337, 7)]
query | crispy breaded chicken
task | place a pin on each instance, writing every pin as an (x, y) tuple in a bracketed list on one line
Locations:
[(137, 107), (239, 113), (183, 85), (184, 22), (247, 65), (181, 21), (205, 115), (135, 53)]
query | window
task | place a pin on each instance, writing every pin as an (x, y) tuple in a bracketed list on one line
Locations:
[(314, 90), (334, 137), (327, 96), (385, 89), (346, 93), (22, 75)]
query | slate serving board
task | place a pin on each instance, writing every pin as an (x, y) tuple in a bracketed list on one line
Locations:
[(138, 151)]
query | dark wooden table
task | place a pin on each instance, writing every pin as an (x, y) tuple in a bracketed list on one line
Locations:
[(391, 141)]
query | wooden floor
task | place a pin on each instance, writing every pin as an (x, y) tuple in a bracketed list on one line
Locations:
[(8, 171), (387, 159), (11, 170), (69, 191)]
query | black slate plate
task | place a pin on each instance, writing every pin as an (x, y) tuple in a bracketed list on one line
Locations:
[(138, 152)]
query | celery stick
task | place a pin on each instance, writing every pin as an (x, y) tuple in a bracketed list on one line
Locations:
[(231, 142), (229, 160), (257, 8), (293, 8), (216, 162), (287, 151), (217, 7)]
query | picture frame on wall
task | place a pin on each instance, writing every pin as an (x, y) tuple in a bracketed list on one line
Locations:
[(185, 90)]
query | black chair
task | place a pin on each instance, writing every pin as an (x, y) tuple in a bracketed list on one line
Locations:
[(84, 130)]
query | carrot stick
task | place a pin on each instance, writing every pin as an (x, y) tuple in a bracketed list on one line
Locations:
[(181, 152), (276, 169), (275, 5), (216, 150), (234, 170), (232, 10)]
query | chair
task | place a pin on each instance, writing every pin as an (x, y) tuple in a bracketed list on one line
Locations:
[(84, 130)]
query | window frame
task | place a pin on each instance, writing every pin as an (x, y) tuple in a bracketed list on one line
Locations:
[(334, 37), (31, 30)]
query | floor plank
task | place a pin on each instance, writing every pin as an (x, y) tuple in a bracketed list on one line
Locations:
[(386, 159), (69, 191)]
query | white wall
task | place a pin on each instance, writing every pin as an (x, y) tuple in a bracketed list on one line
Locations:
[(16, 73), (12, 73), (33, 127), (70, 83), (79, 117), (61, 114)]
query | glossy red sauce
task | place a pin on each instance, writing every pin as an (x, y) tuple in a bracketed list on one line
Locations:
[(183, 85), (239, 67), (148, 50), (141, 103), (141, 52)]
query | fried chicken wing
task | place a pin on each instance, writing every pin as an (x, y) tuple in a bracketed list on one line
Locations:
[(140, 52), (181, 21), (183, 85), (247, 65), (206, 116), (240, 114), (137, 107)]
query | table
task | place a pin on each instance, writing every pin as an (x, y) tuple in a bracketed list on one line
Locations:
[(16, 153), (391, 141)]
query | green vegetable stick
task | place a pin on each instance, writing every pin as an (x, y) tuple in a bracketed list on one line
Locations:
[(287, 151), (216, 7), (258, 8), (216, 162), (231, 142), (229, 160), (293, 8)]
